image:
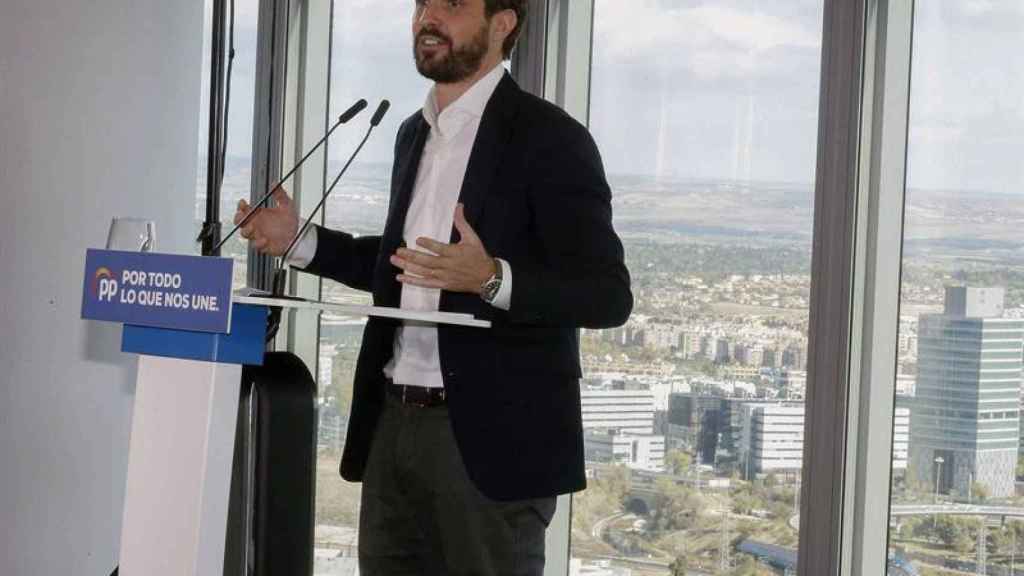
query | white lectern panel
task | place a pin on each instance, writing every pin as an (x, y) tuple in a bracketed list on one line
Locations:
[(179, 468)]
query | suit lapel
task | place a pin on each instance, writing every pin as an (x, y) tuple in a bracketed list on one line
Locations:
[(488, 149), (409, 164), (411, 150)]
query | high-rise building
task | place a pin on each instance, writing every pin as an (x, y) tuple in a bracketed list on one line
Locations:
[(640, 451), (905, 384), (695, 423), (619, 426), (722, 351), (629, 411), (900, 438), (795, 356), (771, 439), (707, 346), (965, 420), (793, 384), (661, 335), (689, 344)]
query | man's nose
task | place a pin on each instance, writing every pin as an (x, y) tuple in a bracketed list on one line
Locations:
[(428, 12)]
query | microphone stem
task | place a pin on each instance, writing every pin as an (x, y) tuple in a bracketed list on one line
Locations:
[(263, 201), (320, 205)]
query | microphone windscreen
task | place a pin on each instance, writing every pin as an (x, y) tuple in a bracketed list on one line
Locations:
[(352, 111), (381, 111)]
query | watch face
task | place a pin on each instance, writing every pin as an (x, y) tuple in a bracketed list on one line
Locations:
[(491, 289)]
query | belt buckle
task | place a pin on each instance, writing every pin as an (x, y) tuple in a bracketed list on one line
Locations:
[(429, 400), (406, 401)]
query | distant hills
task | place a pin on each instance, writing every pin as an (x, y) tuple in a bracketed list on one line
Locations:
[(939, 223)]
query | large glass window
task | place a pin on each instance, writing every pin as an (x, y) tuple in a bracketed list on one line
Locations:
[(371, 57), (706, 116), (238, 157), (955, 489)]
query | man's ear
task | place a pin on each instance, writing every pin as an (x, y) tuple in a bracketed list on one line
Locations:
[(503, 24)]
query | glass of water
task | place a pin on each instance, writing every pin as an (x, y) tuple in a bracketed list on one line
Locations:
[(131, 235)]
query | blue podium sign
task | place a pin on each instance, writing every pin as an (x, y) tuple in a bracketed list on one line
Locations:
[(159, 290)]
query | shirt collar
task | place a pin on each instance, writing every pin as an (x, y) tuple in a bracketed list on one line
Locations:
[(468, 106)]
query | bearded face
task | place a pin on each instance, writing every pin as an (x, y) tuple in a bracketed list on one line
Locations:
[(441, 59)]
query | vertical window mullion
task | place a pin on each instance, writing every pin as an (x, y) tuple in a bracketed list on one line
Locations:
[(268, 118), (829, 338), (877, 289)]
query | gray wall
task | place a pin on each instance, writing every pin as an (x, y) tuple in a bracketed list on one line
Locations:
[(99, 108)]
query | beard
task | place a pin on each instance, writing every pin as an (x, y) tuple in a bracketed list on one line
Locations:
[(458, 63)]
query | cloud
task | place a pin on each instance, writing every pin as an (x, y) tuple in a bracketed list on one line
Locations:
[(967, 97), (723, 90), (978, 6), (709, 40)]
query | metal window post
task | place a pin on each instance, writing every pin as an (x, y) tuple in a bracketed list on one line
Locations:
[(855, 286)]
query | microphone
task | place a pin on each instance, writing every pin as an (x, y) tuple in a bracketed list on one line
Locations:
[(382, 109), (279, 276), (352, 111), (342, 119)]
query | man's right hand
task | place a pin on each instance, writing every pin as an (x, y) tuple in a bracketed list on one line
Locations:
[(271, 229)]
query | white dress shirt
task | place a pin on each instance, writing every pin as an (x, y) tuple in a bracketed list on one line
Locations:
[(431, 214)]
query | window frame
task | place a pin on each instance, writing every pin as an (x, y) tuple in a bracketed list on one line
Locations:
[(855, 286), (268, 118), (859, 195)]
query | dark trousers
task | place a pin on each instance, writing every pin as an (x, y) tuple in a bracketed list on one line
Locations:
[(421, 514)]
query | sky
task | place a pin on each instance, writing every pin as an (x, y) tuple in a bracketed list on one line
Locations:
[(724, 89)]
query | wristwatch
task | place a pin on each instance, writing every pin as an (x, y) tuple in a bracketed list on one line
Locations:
[(489, 290)]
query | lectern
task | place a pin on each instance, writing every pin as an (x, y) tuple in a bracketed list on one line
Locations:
[(182, 444), (195, 341)]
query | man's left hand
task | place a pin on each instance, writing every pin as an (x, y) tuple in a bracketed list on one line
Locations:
[(462, 267)]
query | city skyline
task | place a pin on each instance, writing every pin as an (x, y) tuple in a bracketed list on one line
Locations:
[(722, 151)]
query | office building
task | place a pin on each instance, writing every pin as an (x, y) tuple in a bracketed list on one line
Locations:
[(900, 439), (792, 384), (795, 356), (689, 344), (627, 411), (965, 426), (639, 451), (694, 425), (722, 351), (771, 439)]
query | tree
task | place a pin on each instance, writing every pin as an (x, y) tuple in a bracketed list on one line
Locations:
[(618, 482), (746, 504), (909, 526), (1001, 540), (980, 492), (958, 534), (677, 567), (747, 567), (922, 530), (678, 462), (674, 506)]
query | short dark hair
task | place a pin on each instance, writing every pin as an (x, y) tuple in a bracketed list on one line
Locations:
[(521, 7)]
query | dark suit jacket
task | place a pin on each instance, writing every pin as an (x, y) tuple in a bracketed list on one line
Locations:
[(536, 194)]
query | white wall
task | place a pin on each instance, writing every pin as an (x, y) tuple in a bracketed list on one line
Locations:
[(99, 107)]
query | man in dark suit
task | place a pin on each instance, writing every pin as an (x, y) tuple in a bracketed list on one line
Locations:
[(499, 208)]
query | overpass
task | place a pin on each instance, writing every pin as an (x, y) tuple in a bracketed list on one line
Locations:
[(901, 510), (905, 510)]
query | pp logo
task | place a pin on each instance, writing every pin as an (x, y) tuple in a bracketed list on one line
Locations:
[(104, 285)]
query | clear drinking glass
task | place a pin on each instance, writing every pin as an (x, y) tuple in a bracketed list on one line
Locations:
[(131, 234)]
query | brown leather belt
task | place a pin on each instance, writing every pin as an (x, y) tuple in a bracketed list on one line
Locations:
[(418, 396)]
